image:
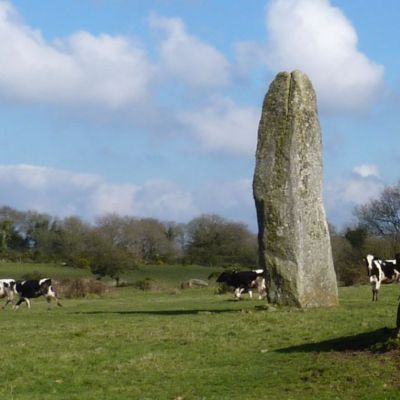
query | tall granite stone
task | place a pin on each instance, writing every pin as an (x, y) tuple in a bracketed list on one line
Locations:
[(294, 242)]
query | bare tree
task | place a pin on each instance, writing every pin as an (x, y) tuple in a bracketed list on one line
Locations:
[(382, 216)]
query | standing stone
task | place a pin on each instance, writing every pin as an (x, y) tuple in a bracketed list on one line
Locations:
[(294, 242)]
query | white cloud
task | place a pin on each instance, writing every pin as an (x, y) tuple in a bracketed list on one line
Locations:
[(230, 199), (249, 55), (223, 126), (317, 38), (359, 191), (188, 59), (343, 194), (64, 193), (165, 200), (112, 71), (365, 170), (229, 195)]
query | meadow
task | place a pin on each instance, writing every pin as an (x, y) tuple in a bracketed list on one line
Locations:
[(195, 344)]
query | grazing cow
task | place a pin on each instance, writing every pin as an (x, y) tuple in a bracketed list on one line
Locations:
[(34, 288), (245, 281), (382, 271), (6, 290)]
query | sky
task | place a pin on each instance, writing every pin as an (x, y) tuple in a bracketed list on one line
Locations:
[(150, 108)]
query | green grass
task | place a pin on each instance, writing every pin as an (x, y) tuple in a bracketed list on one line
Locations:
[(56, 271), (193, 344)]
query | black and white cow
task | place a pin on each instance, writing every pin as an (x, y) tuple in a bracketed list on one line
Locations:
[(382, 271), (32, 289), (6, 290), (245, 281)]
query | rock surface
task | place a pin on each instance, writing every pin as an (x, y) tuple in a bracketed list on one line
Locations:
[(294, 242)]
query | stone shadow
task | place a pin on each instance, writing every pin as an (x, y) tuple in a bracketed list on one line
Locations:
[(360, 342), (163, 312)]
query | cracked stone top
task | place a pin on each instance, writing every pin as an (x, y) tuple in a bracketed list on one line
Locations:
[(294, 241)]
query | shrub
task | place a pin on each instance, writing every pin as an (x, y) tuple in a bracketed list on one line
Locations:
[(32, 275), (82, 287), (223, 288), (148, 284)]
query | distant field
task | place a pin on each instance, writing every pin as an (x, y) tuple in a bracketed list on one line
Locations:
[(56, 271), (169, 276), (194, 344)]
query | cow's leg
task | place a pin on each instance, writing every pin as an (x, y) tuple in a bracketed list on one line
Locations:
[(53, 297), (28, 302), (250, 294), (238, 293), (10, 298), (377, 287), (48, 299), (8, 301), (19, 302)]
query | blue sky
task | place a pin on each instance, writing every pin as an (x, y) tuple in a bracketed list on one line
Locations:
[(150, 108)]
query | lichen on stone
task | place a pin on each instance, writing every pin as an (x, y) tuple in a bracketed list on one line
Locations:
[(293, 236)]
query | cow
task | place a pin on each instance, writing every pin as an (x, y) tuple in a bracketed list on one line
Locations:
[(6, 290), (382, 271), (34, 288), (245, 281)]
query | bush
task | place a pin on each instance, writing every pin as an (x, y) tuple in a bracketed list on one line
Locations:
[(148, 284), (81, 288), (32, 275), (223, 288), (349, 266)]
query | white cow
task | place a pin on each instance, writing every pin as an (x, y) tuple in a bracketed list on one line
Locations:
[(7, 290), (382, 271)]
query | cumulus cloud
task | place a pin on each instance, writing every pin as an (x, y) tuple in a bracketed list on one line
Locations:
[(106, 70), (365, 170), (346, 192), (188, 59), (165, 200), (230, 199), (317, 38), (64, 193), (222, 125)]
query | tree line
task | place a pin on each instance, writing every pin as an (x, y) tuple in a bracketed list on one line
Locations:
[(114, 244), (376, 231)]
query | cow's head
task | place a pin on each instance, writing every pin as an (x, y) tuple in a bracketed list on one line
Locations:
[(369, 261), (45, 285)]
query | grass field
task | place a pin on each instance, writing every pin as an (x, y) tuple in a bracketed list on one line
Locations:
[(194, 344)]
